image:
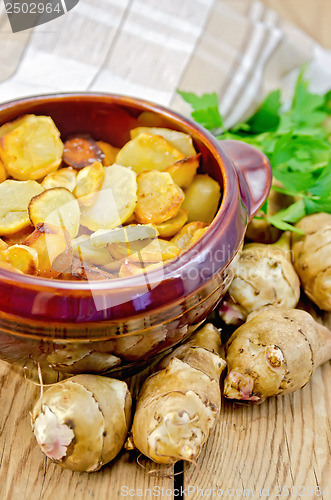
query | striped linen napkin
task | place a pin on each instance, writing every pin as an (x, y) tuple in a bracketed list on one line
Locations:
[(149, 48)]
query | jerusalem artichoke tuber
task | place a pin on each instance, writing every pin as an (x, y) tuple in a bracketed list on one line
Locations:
[(263, 276), (275, 352), (312, 258), (178, 405)]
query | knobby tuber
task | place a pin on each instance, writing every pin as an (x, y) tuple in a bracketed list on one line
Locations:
[(312, 258), (263, 276), (260, 229), (82, 422), (178, 405), (275, 352)]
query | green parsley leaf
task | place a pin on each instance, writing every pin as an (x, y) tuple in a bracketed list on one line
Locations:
[(306, 114), (322, 185), (327, 103), (266, 118), (284, 218), (300, 153), (318, 205), (205, 109), (265, 205), (296, 141)]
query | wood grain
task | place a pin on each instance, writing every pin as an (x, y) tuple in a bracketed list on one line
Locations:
[(26, 474), (313, 17), (285, 442)]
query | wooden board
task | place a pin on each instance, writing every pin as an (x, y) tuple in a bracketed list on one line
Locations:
[(313, 17), (254, 451), (281, 448), (26, 474)]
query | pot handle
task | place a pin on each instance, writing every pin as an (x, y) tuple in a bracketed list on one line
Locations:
[(254, 173)]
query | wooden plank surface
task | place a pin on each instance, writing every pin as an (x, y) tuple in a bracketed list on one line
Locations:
[(254, 451), (311, 16), (26, 474)]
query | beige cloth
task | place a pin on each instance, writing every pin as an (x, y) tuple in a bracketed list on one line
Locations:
[(148, 48)]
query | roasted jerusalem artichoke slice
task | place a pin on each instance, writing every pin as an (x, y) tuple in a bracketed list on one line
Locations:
[(85, 252), (109, 151), (22, 257), (65, 177), (89, 182), (126, 234), (3, 173), (184, 171), (31, 148), (115, 202), (53, 245), (156, 250), (171, 226), (202, 199), (179, 140), (148, 152), (57, 207), (159, 198), (187, 235)]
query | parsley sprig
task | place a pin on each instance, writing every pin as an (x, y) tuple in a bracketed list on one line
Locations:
[(296, 141)]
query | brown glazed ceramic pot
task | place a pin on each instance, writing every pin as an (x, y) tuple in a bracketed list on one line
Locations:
[(118, 326)]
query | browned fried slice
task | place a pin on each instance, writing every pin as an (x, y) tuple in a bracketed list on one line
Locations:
[(183, 171), (156, 251), (54, 249), (83, 250), (3, 245), (15, 197), (126, 234), (202, 199), (65, 177), (31, 148), (57, 207), (120, 251), (180, 140), (147, 252), (22, 257), (130, 269), (148, 152), (115, 202), (159, 198), (19, 237), (89, 182), (81, 151), (170, 227), (183, 239), (88, 272), (3, 173)]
